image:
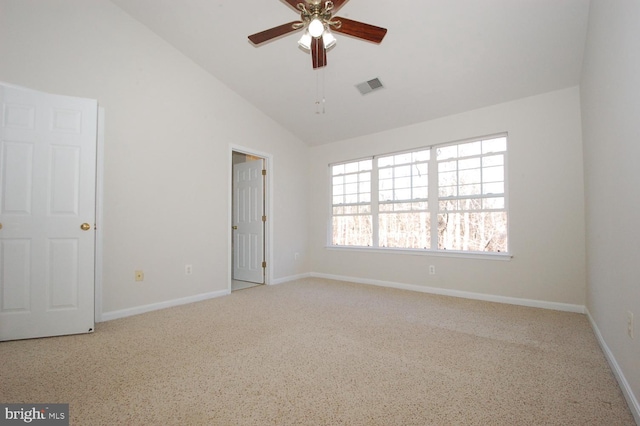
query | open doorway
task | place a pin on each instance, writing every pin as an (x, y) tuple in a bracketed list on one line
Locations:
[(248, 220)]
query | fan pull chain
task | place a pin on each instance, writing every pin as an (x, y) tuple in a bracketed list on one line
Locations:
[(320, 104)]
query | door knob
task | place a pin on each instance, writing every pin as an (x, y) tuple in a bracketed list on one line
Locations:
[(233, 227), (85, 226), (0, 226)]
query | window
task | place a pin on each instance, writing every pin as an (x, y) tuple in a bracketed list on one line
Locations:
[(445, 197)]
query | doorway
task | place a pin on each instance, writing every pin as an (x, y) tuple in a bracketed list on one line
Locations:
[(248, 219)]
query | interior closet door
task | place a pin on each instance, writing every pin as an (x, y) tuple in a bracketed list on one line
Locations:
[(248, 224), (47, 213)]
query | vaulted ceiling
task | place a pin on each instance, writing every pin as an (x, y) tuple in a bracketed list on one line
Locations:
[(439, 57)]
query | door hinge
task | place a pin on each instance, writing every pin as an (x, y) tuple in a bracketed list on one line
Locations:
[(264, 264), (264, 172), (264, 218)]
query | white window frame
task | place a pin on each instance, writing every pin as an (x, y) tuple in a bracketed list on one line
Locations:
[(433, 202)]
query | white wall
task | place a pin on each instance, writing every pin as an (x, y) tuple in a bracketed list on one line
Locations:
[(610, 91), (546, 208), (169, 125)]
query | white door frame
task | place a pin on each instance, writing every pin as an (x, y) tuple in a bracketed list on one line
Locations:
[(99, 213), (268, 229)]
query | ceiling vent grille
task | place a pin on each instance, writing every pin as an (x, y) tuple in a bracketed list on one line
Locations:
[(369, 86)]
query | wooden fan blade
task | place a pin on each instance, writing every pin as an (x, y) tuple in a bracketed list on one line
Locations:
[(359, 29), (266, 35), (318, 53)]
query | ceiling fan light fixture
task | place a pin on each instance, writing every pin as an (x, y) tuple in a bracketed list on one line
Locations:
[(305, 41), (328, 39), (316, 27)]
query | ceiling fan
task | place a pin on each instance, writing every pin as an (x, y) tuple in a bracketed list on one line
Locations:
[(316, 16)]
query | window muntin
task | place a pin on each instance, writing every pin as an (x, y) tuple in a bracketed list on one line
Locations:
[(351, 193), (464, 211)]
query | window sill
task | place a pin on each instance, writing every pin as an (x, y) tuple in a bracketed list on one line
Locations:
[(419, 252)]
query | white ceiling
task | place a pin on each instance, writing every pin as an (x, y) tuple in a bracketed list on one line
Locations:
[(440, 57)]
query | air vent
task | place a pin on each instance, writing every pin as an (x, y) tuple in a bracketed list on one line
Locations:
[(369, 86)]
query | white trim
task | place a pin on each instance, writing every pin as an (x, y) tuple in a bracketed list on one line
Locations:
[(290, 278), (108, 316), (268, 158), (99, 216), (427, 252), (556, 306), (632, 401)]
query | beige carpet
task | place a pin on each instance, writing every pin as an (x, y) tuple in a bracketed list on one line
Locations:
[(318, 352)]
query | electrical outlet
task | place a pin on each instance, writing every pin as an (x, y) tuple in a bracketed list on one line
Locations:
[(432, 269), (630, 324), (188, 269), (139, 275)]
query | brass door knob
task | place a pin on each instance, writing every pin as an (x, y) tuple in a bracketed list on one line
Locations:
[(0, 226), (234, 227), (85, 226)]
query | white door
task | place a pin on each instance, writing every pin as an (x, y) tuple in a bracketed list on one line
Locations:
[(248, 224), (47, 212)]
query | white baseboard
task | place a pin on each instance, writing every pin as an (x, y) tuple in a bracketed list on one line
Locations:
[(289, 278), (108, 316), (632, 400), (458, 293)]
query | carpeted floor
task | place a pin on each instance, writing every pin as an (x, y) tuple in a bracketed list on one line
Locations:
[(319, 352)]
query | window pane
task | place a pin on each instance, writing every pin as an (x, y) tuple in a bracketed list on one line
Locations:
[(448, 191), (338, 170), (470, 176), (421, 169), (469, 149), (493, 174), (494, 145), (338, 199), (385, 161), (365, 165), (351, 198), (351, 167), (447, 178), (386, 195), (385, 184), (470, 204), (402, 158), (422, 155), (447, 166), (469, 190), (493, 160), (405, 230), (422, 192), (493, 203), (402, 171), (446, 152), (493, 188), (352, 230), (385, 173), (482, 231), (403, 194), (403, 182), (351, 188), (470, 163)]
